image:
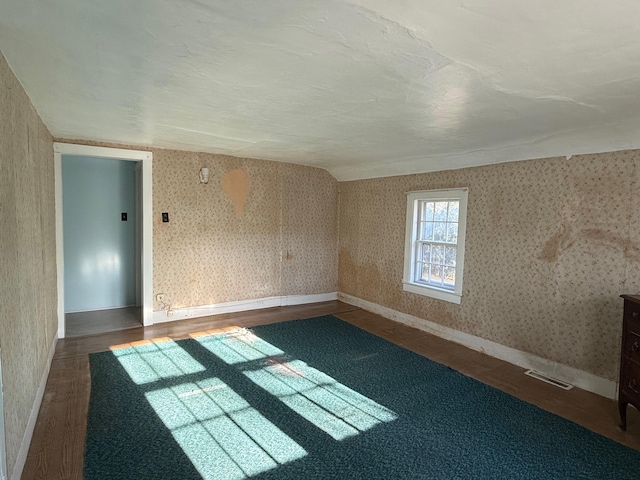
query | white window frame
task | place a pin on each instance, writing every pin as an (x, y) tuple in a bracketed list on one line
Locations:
[(409, 284)]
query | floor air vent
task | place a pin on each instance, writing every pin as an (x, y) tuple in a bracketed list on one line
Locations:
[(546, 378)]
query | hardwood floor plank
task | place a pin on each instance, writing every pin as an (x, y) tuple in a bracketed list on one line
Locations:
[(57, 447), (69, 347), (80, 324), (592, 411)]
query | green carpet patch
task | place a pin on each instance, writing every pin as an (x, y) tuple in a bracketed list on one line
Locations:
[(320, 399)]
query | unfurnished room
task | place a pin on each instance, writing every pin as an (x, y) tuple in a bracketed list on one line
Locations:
[(345, 239)]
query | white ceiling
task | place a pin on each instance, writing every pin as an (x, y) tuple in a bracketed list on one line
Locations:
[(362, 88)]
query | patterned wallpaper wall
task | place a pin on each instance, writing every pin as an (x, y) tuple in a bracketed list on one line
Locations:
[(257, 229), (28, 318), (550, 246)]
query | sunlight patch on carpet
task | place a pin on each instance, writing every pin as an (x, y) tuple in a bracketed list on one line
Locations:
[(223, 436), (219, 431), (150, 360), (320, 399), (238, 346)]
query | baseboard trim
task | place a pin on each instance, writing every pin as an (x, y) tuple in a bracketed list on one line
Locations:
[(103, 308), (161, 316), (579, 378), (23, 451), (288, 300)]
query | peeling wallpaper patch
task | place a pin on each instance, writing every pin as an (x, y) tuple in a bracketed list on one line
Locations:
[(236, 187), (551, 244), (562, 241)]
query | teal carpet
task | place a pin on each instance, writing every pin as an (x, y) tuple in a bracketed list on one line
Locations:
[(321, 399)]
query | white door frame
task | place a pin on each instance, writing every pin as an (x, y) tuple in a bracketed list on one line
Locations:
[(146, 158)]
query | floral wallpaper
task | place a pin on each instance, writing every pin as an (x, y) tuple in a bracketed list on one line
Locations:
[(550, 246), (28, 317), (256, 229)]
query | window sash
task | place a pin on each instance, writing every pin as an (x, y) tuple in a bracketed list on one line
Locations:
[(418, 278), (445, 223), (419, 264), (430, 283)]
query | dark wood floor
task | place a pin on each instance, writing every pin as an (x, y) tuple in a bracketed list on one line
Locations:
[(57, 447), (80, 324)]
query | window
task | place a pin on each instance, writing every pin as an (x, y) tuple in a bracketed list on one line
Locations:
[(434, 244)]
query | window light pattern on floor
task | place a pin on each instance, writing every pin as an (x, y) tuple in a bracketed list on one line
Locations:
[(223, 436), (220, 432), (151, 360), (320, 399)]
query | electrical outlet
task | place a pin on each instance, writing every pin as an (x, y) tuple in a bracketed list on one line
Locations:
[(160, 297)]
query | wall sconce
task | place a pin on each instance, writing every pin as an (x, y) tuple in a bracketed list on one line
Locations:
[(204, 175)]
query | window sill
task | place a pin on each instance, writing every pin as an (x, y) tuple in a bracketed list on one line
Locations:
[(432, 292)]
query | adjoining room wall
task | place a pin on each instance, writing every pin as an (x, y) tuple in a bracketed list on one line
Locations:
[(550, 246), (28, 319), (99, 247)]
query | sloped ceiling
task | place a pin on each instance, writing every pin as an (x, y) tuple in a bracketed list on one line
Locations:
[(362, 88)]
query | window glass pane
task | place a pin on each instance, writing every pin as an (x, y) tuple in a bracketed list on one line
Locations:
[(452, 232), (454, 210), (437, 254), (427, 231), (436, 274), (440, 212), (426, 252), (449, 276), (450, 256), (427, 211), (422, 272), (440, 232)]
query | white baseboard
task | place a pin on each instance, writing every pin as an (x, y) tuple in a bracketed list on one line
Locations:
[(102, 308), (23, 451), (241, 306), (579, 378), (304, 299)]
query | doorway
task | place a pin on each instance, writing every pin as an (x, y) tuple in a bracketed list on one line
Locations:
[(103, 238)]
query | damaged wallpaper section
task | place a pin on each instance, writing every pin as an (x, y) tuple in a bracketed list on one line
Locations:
[(257, 229), (550, 246)]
